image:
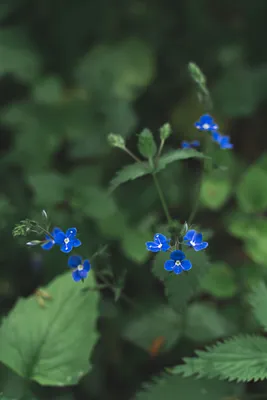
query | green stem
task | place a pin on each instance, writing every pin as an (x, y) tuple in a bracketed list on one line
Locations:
[(132, 155), (162, 199), (159, 152)]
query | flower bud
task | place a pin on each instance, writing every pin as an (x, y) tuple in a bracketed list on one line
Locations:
[(116, 141), (165, 131)]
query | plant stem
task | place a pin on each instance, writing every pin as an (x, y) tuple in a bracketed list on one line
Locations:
[(162, 199), (159, 152), (132, 155)]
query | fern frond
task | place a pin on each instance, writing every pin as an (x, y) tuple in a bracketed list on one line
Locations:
[(241, 359)]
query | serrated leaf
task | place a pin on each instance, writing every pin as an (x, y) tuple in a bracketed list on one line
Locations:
[(146, 144), (174, 387), (258, 301), (219, 281), (129, 173), (252, 190), (176, 155), (241, 359), (52, 345), (180, 288)]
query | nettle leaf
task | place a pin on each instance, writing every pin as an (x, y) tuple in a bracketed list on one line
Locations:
[(174, 387), (129, 173), (258, 301), (159, 321), (176, 155), (52, 345), (241, 359), (219, 281), (180, 289), (215, 191), (18, 57), (252, 190)]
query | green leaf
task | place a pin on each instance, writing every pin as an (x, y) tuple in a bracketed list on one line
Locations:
[(180, 289), (114, 226), (219, 281), (48, 90), (176, 155), (133, 245), (49, 188), (95, 202), (158, 321), (129, 173), (175, 387), (204, 323), (252, 190), (18, 57), (146, 144), (52, 345), (258, 300), (242, 358), (215, 191)]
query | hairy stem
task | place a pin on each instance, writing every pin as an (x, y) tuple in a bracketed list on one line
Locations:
[(162, 198)]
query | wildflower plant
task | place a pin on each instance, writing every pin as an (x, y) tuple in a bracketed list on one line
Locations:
[(177, 251)]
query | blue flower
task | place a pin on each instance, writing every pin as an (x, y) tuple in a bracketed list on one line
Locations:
[(49, 243), (161, 243), (194, 239), (188, 145), (81, 268), (206, 123), (67, 240), (177, 263), (222, 140)]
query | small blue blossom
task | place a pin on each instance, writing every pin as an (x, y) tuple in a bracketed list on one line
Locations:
[(206, 123), (81, 268), (67, 240), (49, 241), (222, 140), (161, 243), (194, 239), (190, 145), (177, 262)]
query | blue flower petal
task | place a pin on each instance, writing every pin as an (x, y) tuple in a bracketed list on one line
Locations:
[(86, 265), (76, 242), (47, 237), (159, 238), (195, 143), (177, 269), (74, 261), (216, 136), (151, 246), (48, 245), (206, 119), (185, 144), (198, 238), (189, 235), (76, 276), (56, 230), (71, 233), (169, 265), (66, 247), (59, 237), (201, 246), (165, 246), (177, 255), (186, 265), (83, 274)]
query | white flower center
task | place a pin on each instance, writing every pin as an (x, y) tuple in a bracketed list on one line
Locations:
[(160, 246), (80, 267), (66, 241), (192, 243), (177, 263), (206, 126)]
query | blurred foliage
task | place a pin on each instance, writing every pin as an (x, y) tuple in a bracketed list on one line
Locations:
[(70, 74)]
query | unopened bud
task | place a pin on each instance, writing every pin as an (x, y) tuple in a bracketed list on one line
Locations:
[(165, 131), (196, 74), (116, 141), (33, 243)]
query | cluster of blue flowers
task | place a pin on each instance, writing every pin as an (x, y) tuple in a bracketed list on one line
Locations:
[(206, 123), (177, 262), (67, 241)]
